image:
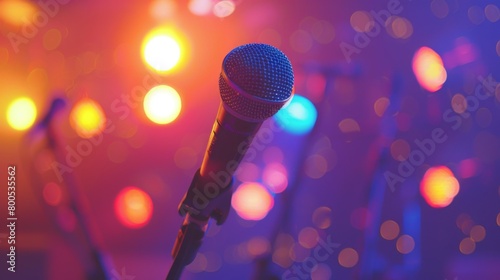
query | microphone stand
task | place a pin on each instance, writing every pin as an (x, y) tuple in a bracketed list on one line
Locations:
[(98, 266), (190, 236)]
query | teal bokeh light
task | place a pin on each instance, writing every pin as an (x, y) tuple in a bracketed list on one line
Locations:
[(298, 116)]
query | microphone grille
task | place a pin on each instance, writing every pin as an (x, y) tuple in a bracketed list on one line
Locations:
[(256, 81)]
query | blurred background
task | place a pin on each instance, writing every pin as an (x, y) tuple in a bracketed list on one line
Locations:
[(388, 152)]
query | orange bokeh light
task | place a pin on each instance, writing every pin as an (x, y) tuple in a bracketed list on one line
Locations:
[(133, 207), (252, 201), (439, 186), (87, 118), (429, 70)]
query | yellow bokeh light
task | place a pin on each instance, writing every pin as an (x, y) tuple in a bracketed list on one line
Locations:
[(439, 186), (162, 104), (429, 70), (87, 118), (162, 49), (21, 113), (16, 11)]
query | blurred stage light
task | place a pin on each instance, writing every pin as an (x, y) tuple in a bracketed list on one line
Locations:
[(162, 9), (16, 12), (252, 201), (439, 186), (161, 49), (52, 194), (162, 104), (224, 8), (200, 7), (348, 257), (429, 70), (298, 116), (87, 118), (133, 207), (275, 177), (21, 113)]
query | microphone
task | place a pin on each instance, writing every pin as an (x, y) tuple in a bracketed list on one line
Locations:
[(256, 80)]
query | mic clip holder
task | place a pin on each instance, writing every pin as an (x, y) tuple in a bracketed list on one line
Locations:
[(204, 199), (207, 198)]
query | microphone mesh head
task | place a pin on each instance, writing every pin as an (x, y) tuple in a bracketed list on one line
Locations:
[(256, 81)]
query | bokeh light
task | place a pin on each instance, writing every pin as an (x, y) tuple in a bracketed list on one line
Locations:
[(252, 201), (133, 207), (348, 257), (52, 194), (492, 12), (349, 126), (21, 113), (321, 272), (477, 233), (162, 104), (476, 14), (298, 116), (405, 244), (399, 27), (467, 246), (362, 21), (440, 8), (316, 166), (389, 230), (308, 237), (459, 103), (16, 12), (321, 217), (381, 105), (428, 69), (200, 7), (439, 186), (400, 149), (258, 246), (162, 49), (275, 178), (224, 8), (87, 118)]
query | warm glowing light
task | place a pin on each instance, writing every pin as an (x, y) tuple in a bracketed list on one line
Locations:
[(161, 49), (133, 207), (429, 70), (200, 7), (405, 244), (298, 116), (252, 201), (439, 186), (52, 194), (349, 125), (21, 113), (381, 105), (348, 257), (16, 12), (224, 8), (258, 246), (362, 21), (275, 177), (308, 237), (467, 246), (478, 233), (321, 217), (162, 104), (87, 118), (389, 230)]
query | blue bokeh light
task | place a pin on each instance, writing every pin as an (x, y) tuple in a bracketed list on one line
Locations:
[(298, 116)]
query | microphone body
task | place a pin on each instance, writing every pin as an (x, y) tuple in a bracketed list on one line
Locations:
[(255, 82)]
